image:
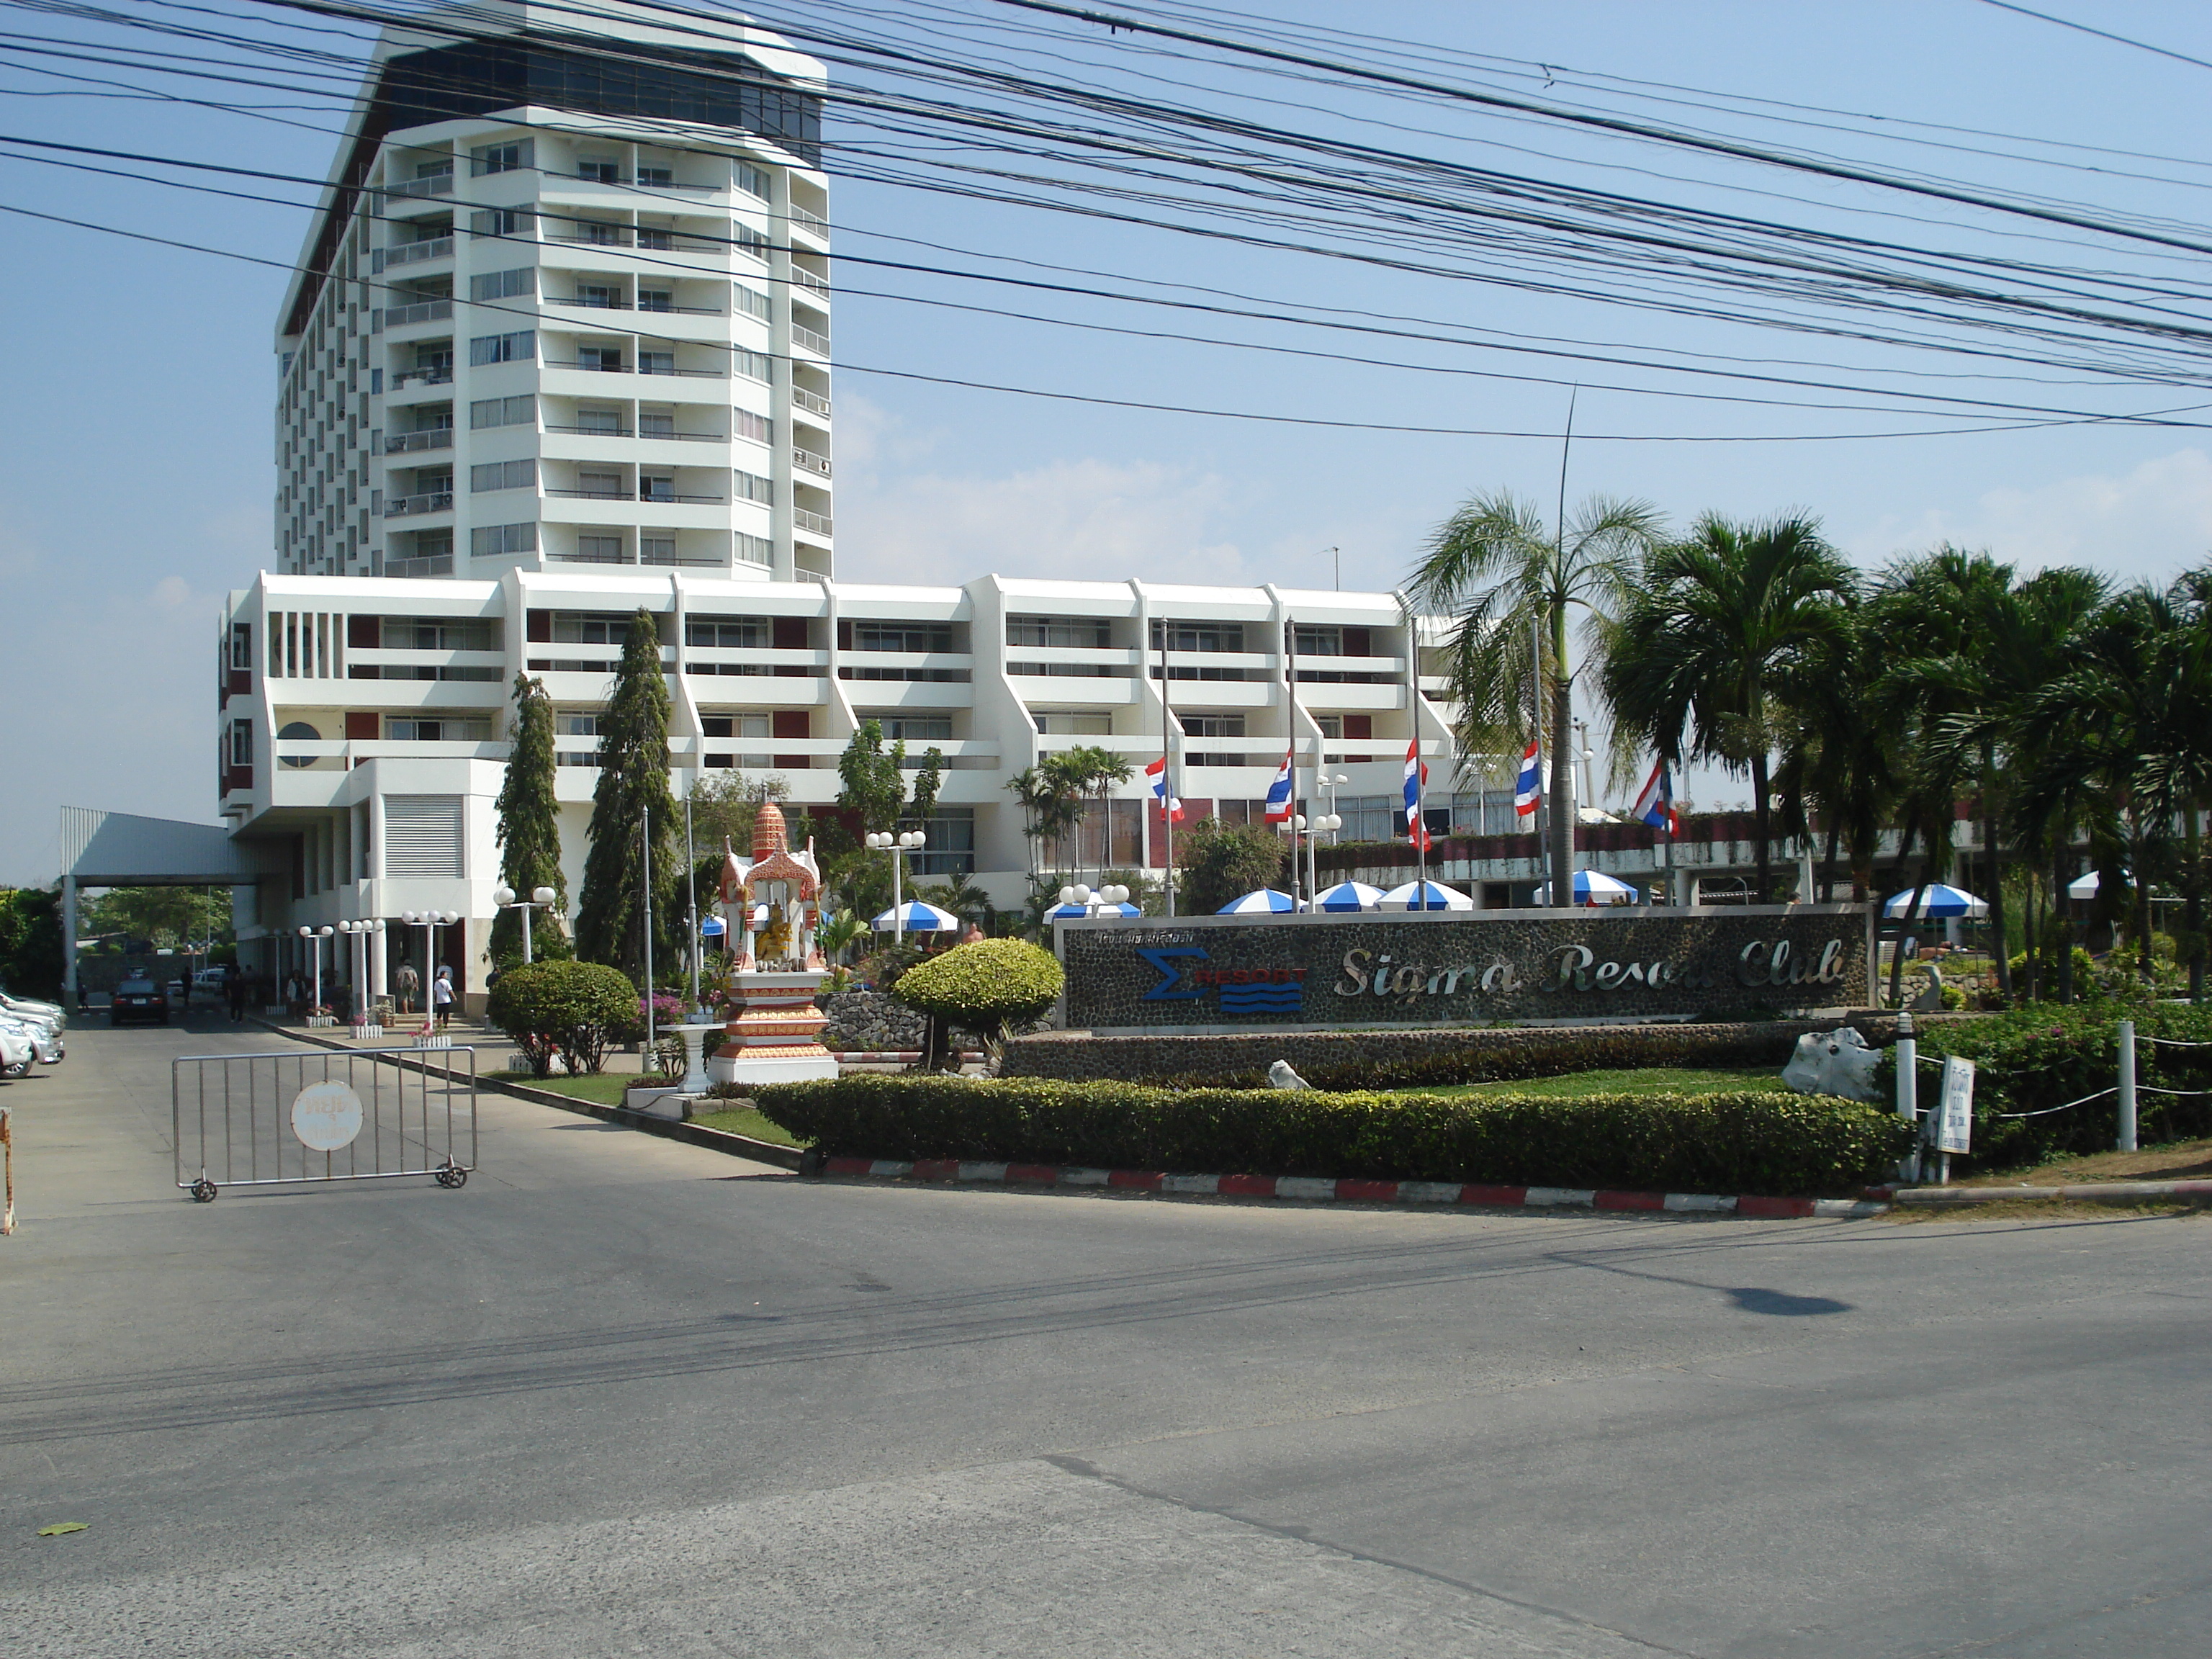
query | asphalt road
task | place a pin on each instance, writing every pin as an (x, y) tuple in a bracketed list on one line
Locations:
[(624, 1396)]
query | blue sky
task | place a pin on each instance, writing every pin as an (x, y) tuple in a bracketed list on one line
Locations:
[(136, 474)]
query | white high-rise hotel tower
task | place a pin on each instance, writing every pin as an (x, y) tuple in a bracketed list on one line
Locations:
[(565, 302), (561, 351)]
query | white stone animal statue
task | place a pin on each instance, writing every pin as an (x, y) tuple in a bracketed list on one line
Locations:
[(1280, 1076), (1837, 1062)]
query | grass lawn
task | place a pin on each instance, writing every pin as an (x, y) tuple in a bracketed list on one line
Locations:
[(2181, 1160), (745, 1121), (1646, 1080), (604, 1090)]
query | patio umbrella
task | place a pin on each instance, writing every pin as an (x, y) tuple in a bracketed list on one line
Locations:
[(1348, 895), (1077, 913), (1937, 902), (1424, 895), (920, 918), (2085, 887), (1594, 887), (1266, 902)]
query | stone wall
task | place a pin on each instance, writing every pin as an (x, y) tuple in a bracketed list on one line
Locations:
[(1457, 1054), (870, 1021), (1424, 970)]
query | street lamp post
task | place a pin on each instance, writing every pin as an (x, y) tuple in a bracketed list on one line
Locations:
[(358, 935), (898, 845), (430, 921), (540, 898), (315, 936)]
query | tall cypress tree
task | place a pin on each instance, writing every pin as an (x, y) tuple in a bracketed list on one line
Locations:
[(633, 781), (529, 828)]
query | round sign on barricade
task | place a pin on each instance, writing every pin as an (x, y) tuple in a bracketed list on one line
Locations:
[(326, 1117)]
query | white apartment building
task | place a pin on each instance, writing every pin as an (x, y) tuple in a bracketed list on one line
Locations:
[(365, 720), (571, 358)]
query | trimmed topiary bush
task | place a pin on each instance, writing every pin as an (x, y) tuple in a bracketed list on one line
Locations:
[(984, 987), (1737, 1142), (572, 1009)]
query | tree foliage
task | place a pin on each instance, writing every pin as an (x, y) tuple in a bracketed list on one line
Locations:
[(872, 780), (611, 920), (1710, 628), (529, 832), (1217, 862), (1512, 583), (31, 942)]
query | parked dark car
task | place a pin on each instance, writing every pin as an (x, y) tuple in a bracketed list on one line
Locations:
[(139, 999)]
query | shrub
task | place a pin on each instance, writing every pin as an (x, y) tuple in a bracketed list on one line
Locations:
[(984, 987), (1218, 862), (2035, 1059), (1751, 1141), (569, 1008)]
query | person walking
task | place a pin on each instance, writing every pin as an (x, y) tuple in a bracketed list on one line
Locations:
[(233, 986), (441, 995), (407, 982)]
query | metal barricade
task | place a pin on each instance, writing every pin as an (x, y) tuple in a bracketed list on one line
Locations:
[(319, 1115)]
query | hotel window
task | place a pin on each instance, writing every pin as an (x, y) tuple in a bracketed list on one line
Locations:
[(503, 284), (568, 727), (499, 158), (503, 411), (1059, 631), (516, 347)]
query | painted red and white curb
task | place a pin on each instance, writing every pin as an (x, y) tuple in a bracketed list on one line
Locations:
[(1312, 1187)]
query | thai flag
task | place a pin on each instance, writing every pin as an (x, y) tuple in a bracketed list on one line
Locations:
[(1158, 772), (1417, 776), (1278, 792), (1528, 788), (1655, 806)]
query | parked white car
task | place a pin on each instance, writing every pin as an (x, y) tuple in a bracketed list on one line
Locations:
[(45, 1041), (31, 1007), (16, 1052)]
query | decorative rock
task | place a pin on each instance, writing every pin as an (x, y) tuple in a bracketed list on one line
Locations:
[(1280, 1076)]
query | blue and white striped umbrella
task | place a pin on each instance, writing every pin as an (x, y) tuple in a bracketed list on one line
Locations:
[(920, 919), (1424, 895), (1593, 887), (1077, 913), (1266, 902), (1937, 902), (1348, 895)]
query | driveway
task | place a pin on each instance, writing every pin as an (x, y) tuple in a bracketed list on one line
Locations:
[(623, 1396)]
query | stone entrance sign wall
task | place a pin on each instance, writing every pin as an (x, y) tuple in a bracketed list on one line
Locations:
[(1442, 967)]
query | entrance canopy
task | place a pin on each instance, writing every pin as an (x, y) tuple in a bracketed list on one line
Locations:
[(121, 849)]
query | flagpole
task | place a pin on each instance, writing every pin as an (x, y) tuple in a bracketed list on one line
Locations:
[(1291, 679), (1167, 771)]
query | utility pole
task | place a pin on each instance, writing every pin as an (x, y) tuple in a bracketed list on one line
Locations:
[(645, 834)]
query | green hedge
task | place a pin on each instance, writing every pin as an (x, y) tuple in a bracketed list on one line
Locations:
[(2031, 1059), (1751, 1141), (1530, 1052)]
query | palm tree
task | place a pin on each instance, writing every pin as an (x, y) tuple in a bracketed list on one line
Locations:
[(2130, 744), (1835, 757), (1713, 629), (1510, 581), (2023, 639)]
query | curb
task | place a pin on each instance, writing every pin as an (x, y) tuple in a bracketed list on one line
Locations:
[(669, 1128), (2100, 1192), (1312, 1189)]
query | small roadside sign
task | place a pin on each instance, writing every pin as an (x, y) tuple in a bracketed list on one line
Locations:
[(1954, 1114)]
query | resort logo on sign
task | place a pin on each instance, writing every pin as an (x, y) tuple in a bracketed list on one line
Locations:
[(1576, 968)]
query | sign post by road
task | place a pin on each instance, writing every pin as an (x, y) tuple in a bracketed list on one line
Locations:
[(1954, 1120)]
